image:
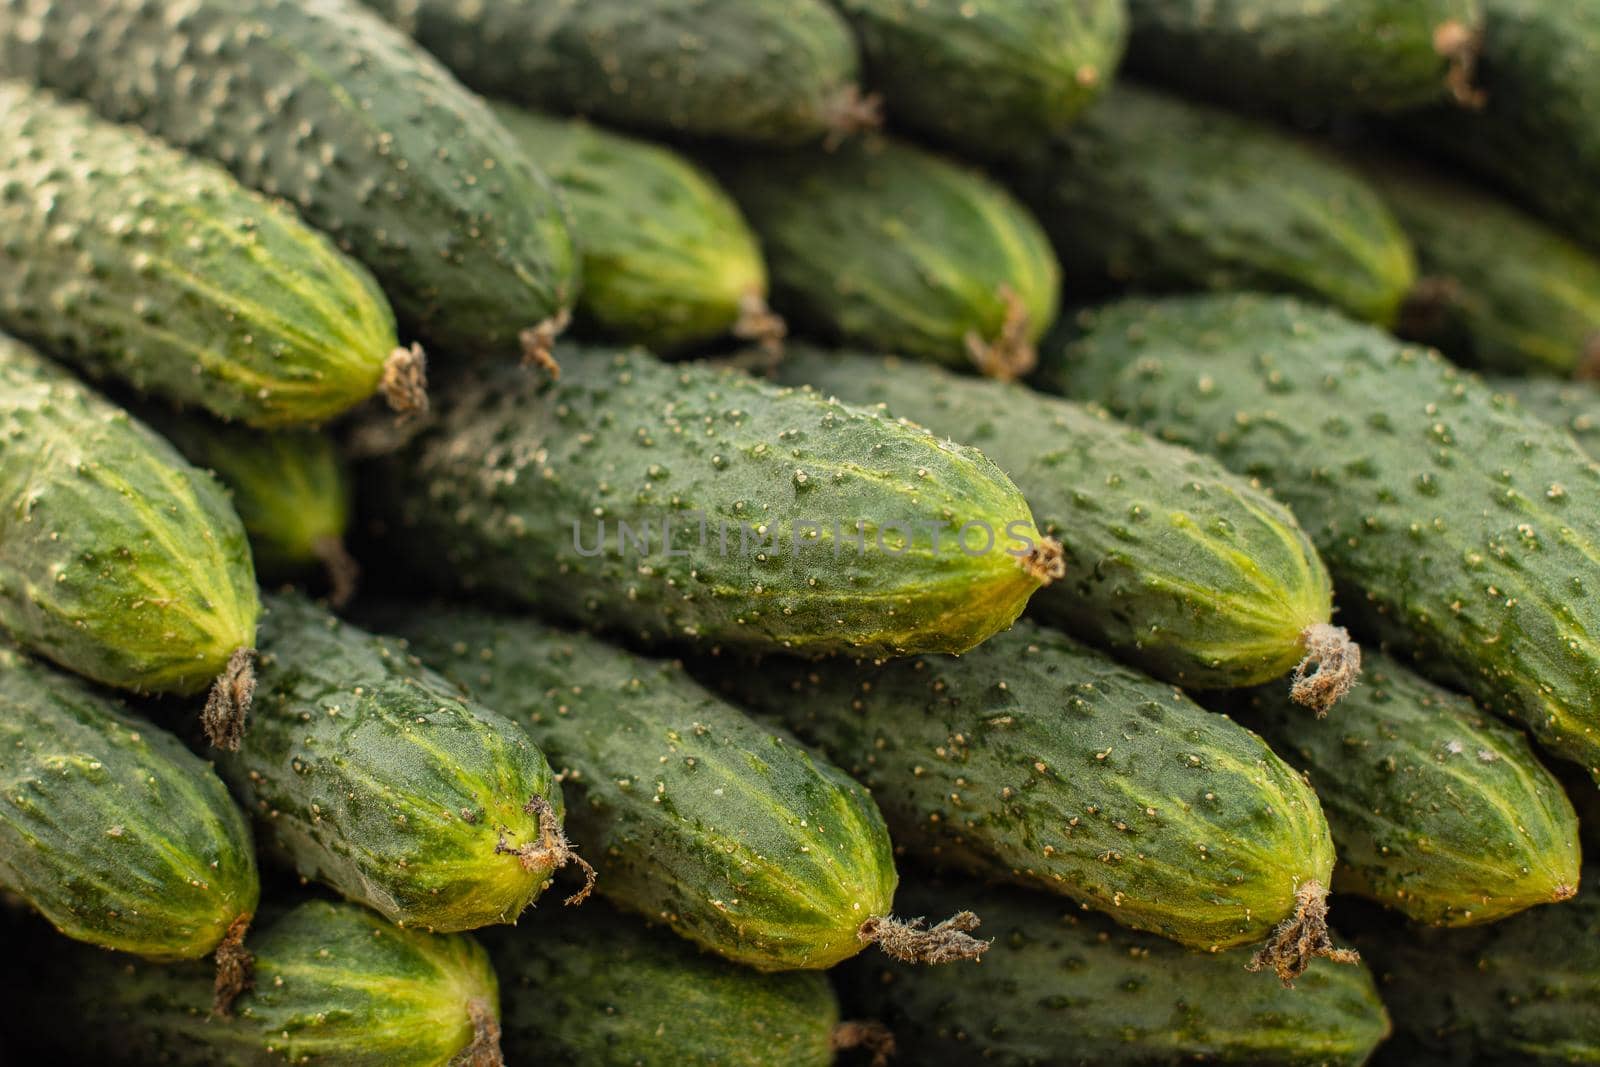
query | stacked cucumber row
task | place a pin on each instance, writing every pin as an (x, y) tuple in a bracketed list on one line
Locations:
[(711, 532)]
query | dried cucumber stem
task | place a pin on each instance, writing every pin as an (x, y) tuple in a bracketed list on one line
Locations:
[(552, 847), (485, 1048), (229, 703), (537, 342), (1011, 355), (1301, 938), (235, 968), (1589, 366), (1046, 561), (912, 942), (851, 113), (1338, 664), (405, 380), (342, 569), (1425, 307), (1461, 45), (758, 323), (869, 1036)]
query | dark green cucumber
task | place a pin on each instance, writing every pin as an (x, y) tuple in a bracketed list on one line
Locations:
[(1180, 566), (668, 261), (1157, 193), (603, 990), (326, 106), (760, 70), (569, 496), (133, 261), (1059, 987), (1036, 759), (1572, 406), (1437, 810), (118, 560), (334, 984), (1321, 57), (112, 829), (1457, 525), (984, 75), (882, 244), (1498, 289), (365, 771)]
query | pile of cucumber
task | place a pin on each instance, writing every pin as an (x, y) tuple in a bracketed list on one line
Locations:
[(792, 532)]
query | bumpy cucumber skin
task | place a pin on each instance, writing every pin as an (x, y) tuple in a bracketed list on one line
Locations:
[(323, 104), (692, 814), (668, 261), (112, 829), (1060, 987), (1180, 566), (499, 495), (334, 984), (1037, 759), (133, 261), (1437, 810), (1318, 56), (603, 990), (366, 772), (118, 560), (780, 71), (1456, 525), (1157, 193), (983, 76), (1498, 289), (882, 244)]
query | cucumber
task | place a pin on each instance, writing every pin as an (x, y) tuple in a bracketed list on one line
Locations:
[(334, 985), (1436, 810), (1062, 987), (1498, 290), (882, 244), (604, 990), (291, 489), (1456, 523), (1290, 55), (568, 497), (1156, 193), (1182, 568), (366, 772), (1036, 759), (983, 75), (119, 561), (776, 71), (134, 262), (668, 261), (324, 105), (1571, 406)]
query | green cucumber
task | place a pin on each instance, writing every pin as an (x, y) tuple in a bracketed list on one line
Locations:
[(1498, 289), (983, 75), (780, 71), (668, 261), (1295, 56), (1157, 193), (334, 985), (1181, 567), (1062, 987), (1572, 406), (1457, 524), (366, 772), (118, 560), (112, 829), (1036, 759), (329, 108), (792, 521), (1437, 810), (133, 261), (882, 244), (604, 990)]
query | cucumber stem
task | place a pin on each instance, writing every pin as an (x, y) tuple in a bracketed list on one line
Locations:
[(1589, 364), (1301, 938), (850, 113), (865, 1034), (910, 941), (235, 968), (229, 702), (1046, 561), (553, 848), (342, 569), (405, 381), (1460, 45), (485, 1048), (1010, 355), (1338, 664), (757, 323), (537, 342)]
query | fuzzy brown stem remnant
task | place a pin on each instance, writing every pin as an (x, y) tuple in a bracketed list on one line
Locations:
[(1589, 365), (865, 1034), (1010, 355), (910, 941), (1461, 45), (757, 323), (342, 569), (236, 968), (485, 1048), (1337, 660), (850, 113), (1426, 305), (553, 848), (405, 381), (1301, 938), (538, 341), (1046, 561), (229, 703)]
